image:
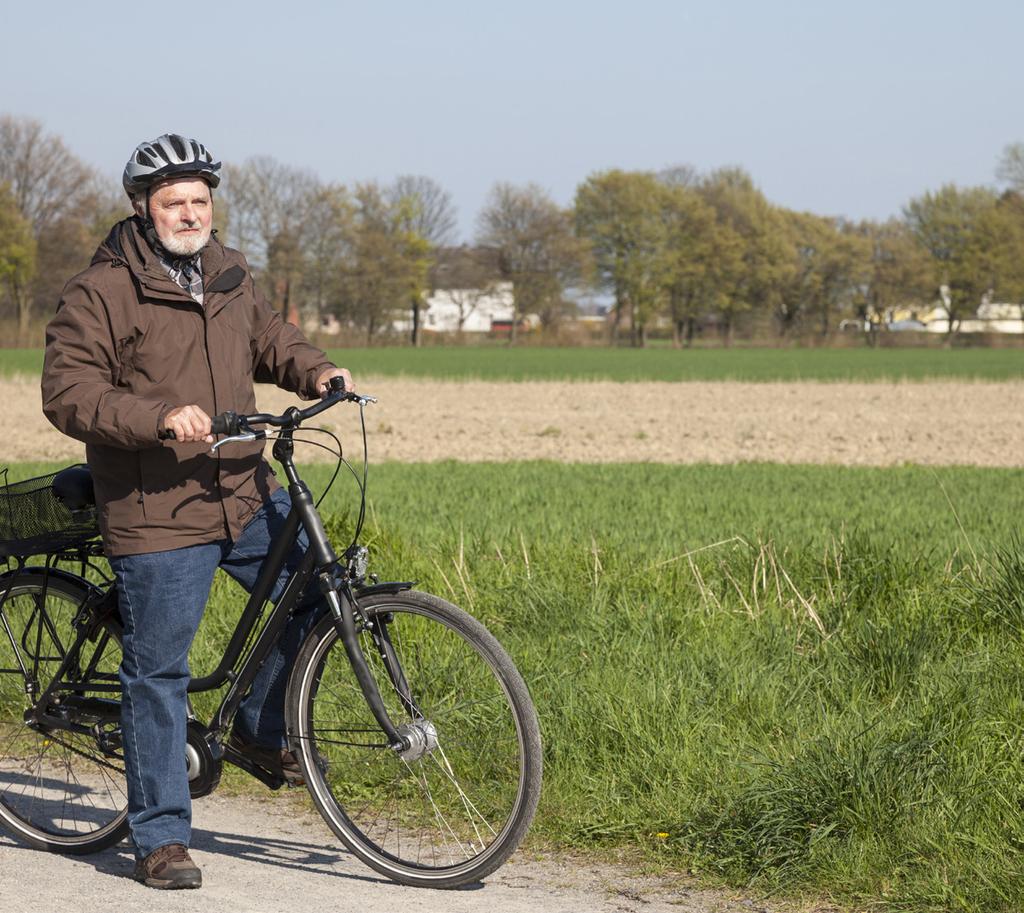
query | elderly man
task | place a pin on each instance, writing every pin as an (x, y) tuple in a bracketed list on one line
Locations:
[(163, 330)]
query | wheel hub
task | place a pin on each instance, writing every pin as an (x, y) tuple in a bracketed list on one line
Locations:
[(421, 738)]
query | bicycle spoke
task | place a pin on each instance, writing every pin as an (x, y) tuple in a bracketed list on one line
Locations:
[(57, 789), (471, 809)]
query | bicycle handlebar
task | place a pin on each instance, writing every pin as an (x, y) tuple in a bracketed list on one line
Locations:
[(234, 425)]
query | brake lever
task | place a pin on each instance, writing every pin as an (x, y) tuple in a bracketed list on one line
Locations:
[(248, 436)]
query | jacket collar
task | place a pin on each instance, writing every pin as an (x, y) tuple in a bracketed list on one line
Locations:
[(126, 244)]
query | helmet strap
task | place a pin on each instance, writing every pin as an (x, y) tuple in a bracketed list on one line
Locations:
[(149, 230)]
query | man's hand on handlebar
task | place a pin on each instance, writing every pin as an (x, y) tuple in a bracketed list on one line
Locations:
[(190, 423), (323, 382), (187, 423)]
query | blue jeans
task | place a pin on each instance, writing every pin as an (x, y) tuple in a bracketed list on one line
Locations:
[(162, 598)]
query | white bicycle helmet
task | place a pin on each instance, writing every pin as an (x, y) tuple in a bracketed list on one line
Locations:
[(168, 156)]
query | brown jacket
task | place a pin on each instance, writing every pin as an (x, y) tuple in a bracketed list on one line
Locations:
[(126, 346)]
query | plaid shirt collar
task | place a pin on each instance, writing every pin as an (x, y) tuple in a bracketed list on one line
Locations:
[(186, 272)]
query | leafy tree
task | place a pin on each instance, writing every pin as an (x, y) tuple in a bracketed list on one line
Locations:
[(899, 271), (689, 269), (621, 214), (537, 250), (844, 270), (751, 248), (973, 243), (388, 262), (17, 253), (1008, 227), (829, 270)]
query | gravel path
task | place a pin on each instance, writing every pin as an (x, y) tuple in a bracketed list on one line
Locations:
[(262, 855), (878, 424)]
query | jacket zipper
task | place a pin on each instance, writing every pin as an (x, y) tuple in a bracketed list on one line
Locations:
[(216, 410)]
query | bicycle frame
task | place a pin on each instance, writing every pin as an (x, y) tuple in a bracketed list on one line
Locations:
[(335, 584), (319, 560)]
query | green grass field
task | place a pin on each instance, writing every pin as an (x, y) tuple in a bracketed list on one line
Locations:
[(808, 680), (500, 363)]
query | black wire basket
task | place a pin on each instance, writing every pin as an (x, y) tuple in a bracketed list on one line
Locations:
[(33, 520)]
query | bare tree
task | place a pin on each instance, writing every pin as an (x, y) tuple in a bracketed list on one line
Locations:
[(466, 276), (52, 190), (268, 208), (1010, 170), (679, 176), (45, 178), (432, 215), (424, 209), (328, 248), (69, 242), (539, 253)]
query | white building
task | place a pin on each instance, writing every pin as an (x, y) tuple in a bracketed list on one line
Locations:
[(473, 310), (468, 294), (991, 317)]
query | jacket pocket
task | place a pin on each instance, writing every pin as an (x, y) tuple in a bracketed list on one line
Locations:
[(179, 488)]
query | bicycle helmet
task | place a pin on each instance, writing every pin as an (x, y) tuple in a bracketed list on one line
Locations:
[(168, 156)]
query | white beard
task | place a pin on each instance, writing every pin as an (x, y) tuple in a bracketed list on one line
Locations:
[(187, 246)]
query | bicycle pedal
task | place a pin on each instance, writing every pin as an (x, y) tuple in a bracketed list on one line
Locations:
[(268, 779)]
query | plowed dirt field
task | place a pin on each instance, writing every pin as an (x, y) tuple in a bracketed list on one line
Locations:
[(937, 423)]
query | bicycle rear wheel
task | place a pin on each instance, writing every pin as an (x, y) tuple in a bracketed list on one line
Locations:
[(457, 804), (62, 782)]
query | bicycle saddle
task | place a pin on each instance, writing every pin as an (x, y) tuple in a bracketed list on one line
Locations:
[(73, 487)]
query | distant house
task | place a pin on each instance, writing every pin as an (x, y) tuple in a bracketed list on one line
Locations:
[(467, 294), (477, 309), (991, 317)]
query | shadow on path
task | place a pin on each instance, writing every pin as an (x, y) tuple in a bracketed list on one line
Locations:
[(299, 856)]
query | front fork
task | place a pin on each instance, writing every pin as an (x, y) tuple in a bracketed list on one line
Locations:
[(338, 594), (340, 600)]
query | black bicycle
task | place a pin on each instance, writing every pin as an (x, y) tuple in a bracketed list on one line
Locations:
[(415, 733)]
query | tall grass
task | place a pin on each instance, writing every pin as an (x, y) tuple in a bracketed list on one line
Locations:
[(807, 680), (519, 364)]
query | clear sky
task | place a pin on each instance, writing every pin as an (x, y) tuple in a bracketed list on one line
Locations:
[(838, 108)]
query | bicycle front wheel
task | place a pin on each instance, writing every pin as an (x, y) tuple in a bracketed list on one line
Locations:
[(62, 781), (452, 808)]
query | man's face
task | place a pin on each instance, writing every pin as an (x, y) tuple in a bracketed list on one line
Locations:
[(182, 213)]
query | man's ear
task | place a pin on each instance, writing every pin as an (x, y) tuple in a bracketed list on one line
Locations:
[(139, 206)]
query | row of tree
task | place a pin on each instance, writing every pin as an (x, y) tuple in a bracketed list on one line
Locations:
[(684, 246), (674, 248)]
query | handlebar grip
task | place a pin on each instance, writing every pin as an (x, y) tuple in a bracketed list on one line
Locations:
[(337, 384), (225, 423)]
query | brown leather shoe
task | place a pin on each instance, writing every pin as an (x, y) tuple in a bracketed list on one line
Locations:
[(168, 868), (279, 761)]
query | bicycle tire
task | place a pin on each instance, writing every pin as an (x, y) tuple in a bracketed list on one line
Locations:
[(58, 790), (464, 805)]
